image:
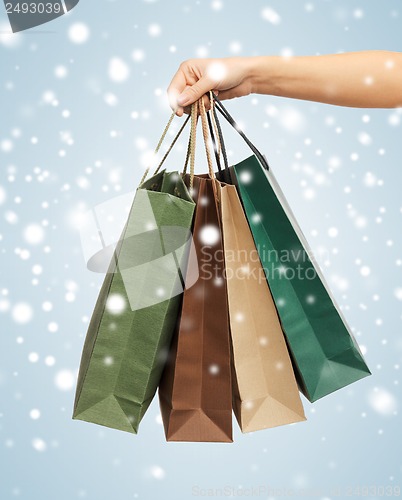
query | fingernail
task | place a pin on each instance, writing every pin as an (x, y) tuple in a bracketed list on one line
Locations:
[(183, 99)]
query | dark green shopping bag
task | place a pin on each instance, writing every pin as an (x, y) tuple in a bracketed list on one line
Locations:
[(325, 354), (134, 318)]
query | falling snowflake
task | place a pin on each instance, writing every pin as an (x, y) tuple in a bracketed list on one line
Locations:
[(39, 444), (118, 70), (246, 177), (209, 235), (34, 414), (271, 15), (22, 313), (213, 369), (116, 303), (157, 472), (78, 33), (154, 30), (64, 380), (382, 401)]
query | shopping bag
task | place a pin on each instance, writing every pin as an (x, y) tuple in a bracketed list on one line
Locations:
[(325, 354), (195, 392), (265, 391), (134, 317)]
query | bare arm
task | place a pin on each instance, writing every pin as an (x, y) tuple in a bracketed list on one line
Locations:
[(369, 79)]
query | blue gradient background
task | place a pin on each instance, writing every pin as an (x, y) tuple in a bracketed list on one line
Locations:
[(348, 441)]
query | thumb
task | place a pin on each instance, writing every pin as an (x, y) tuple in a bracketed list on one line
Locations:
[(193, 93)]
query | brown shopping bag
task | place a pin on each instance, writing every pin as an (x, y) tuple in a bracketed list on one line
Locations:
[(195, 392)]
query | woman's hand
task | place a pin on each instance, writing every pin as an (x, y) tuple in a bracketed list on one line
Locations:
[(368, 79), (229, 77)]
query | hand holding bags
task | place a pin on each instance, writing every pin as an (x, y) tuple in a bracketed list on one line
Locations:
[(228, 349), (325, 354), (134, 317), (195, 393)]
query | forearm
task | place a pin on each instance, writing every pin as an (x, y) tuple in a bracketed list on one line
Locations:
[(371, 79)]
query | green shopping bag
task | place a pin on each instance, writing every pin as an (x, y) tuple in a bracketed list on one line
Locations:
[(134, 318), (325, 354)]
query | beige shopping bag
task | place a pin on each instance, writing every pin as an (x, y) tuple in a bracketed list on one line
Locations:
[(265, 391)]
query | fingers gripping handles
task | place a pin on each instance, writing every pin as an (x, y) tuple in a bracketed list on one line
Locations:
[(197, 109), (208, 119)]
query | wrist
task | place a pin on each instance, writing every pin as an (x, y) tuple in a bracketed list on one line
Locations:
[(257, 73), (262, 72)]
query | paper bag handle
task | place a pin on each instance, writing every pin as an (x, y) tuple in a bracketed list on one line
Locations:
[(215, 134), (160, 144), (225, 113), (198, 109), (219, 138)]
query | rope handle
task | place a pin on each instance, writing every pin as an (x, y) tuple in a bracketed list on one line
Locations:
[(171, 145), (160, 142), (193, 134), (213, 129), (207, 139), (215, 136), (196, 111)]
